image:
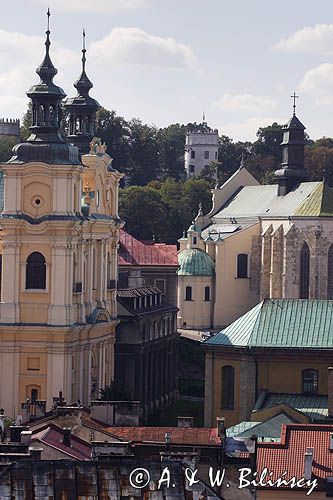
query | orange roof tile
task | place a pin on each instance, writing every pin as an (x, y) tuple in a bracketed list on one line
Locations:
[(179, 435)]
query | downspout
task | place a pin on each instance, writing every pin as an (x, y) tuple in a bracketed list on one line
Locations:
[(256, 369)]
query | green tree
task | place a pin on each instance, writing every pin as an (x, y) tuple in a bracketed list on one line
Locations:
[(115, 132), (114, 392), (318, 163), (144, 211), (197, 191), (26, 122), (143, 164), (269, 141), (6, 146), (171, 142)]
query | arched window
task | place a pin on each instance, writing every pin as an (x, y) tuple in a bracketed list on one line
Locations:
[(228, 387), (304, 272), (309, 381), (35, 272), (330, 273), (242, 265)]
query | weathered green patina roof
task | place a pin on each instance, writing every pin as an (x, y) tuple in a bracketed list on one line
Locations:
[(195, 262), (314, 406), (281, 323), (269, 430), (318, 204)]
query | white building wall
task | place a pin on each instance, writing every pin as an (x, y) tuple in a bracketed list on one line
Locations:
[(197, 144)]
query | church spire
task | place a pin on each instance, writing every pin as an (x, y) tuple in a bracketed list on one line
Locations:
[(81, 110), (292, 170), (45, 97)]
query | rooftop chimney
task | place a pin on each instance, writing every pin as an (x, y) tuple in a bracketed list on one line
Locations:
[(66, 436), (308, 459), (330, 391), (185, 421), (15, 433), (220, 424)]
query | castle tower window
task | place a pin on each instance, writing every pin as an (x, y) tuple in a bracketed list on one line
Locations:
[(207, 293), (304, 272), (330, 274), (206, 155), (192, 154), (228, 387), (35, 272), (192, 169), (188, 293), (310, 381), (242, 265)]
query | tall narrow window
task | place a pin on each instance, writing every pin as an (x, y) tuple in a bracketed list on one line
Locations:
[(228, 387), (207, 293), (188, 293), (34, 395), (35, 272), (191, 169), (192, 154), (206, 155), (330, 274), (304, 272), (242, 265), (310, 381)]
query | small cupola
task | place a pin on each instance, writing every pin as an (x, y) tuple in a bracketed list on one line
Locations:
[(292, 171)]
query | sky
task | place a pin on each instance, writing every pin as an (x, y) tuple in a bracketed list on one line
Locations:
[(168, 61)]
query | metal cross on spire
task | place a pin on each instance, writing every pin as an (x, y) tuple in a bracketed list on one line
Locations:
[(294, 97), (84, 49), (48, 19)]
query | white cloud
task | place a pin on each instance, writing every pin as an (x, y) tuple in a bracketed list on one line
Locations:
[(246, 130), (135, 46), (318, 38), (95, 6), (319, 79), (246, 102), (20, 55)]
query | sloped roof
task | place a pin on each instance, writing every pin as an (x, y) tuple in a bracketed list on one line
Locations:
[(179, 435), (53, 436), (289, 454), (314, 406), (318, 204), (266, 431), (281, 323), (133, 252), (263, 201)]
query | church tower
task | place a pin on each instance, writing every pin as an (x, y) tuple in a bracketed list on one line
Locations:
[(81, 110), (292, 170), (58, 244)]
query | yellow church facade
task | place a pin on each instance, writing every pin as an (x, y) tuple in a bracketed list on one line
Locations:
[(59, 231)]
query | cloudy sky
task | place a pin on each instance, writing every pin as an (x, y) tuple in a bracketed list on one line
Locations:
[(167, 61)]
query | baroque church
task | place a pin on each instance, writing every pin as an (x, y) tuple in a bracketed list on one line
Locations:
[(258, 242), (59, 235)]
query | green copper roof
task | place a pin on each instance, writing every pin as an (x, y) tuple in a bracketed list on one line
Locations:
[(195, 262), (318, 204), (284, 323), (314, 406)]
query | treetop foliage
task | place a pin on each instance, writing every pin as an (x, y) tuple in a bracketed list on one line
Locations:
[(157, 200)]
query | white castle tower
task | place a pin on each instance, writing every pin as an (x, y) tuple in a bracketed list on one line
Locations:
[(201, 148)]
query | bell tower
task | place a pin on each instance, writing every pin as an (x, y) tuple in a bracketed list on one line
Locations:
[(81, 110), (292, 170), (58, 244)]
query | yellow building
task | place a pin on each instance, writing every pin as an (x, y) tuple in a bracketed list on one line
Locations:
[(264, 240), (273, 359), (59, 235)]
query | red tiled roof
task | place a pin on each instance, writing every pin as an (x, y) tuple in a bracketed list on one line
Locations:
[(289, 454), (133, 252), (179, 435), (53, 436)]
